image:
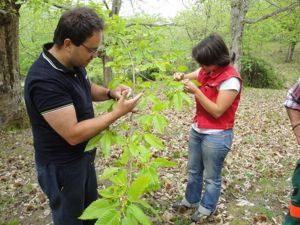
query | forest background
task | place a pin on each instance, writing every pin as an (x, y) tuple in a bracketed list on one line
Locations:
[(142, 47)]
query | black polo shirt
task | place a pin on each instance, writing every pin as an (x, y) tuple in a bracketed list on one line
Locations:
[(50, 86)]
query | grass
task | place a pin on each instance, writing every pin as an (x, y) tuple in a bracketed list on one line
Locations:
[(181, 221), (275, 53), (4, 203), (264, 196), (11, 222)]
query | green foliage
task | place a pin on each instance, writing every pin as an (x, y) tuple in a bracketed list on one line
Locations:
[(283, 28), (138, 214), (11, 222), (149, 74), (34, 34), (259, 74), (97, 208), (137, 188), (142, 53), (136, 171)]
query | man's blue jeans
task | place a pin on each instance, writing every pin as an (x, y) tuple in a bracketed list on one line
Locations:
[(207, 153), (69, 188)]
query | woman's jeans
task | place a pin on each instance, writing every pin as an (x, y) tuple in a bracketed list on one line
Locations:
[(69, 188), (207, 153)]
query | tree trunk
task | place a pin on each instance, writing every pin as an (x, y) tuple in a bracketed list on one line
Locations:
[(115, 9), (107, 71), (290, 53), (239, 10), (11, 107)]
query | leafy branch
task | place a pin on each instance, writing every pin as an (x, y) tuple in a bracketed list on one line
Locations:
[(274, 13)]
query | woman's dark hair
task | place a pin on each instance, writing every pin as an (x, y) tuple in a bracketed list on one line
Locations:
[(212, 51), (77, 24)]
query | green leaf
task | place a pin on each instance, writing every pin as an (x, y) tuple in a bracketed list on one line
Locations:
[(197, 83), (145, 121), (138, 187), (182, 68), (120, 178), (177, 101), (153, 141), (114, 83), (124, 126), (142, 104), (145, 154), (119, 140), (154, 99), (93, 142), (109, 217), (135, 138), (159, 123), (105, 106), (161, 162), (186, 98), (138, 214), (112, 192), (96, 209), (147, 84), (158, 107), (148, 206), (125, 156), (106, 141), (108, 172), (134, 150), (129, 220), (154, 179)]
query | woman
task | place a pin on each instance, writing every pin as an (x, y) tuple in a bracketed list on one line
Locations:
[(211, 135)]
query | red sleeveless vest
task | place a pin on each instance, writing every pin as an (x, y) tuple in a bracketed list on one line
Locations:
[(209, 87)]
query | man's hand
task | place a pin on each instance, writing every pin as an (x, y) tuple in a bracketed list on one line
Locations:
[(178, 76), (117, 93), (189, 86), (125, 105)]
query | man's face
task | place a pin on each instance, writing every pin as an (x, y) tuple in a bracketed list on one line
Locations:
[(83, 54)]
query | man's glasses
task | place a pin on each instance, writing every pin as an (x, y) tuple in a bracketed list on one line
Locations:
[(92, 50)]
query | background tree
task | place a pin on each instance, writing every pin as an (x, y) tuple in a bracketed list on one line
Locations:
[(10, 85), (290, 24), (239, 9), (107, 71)]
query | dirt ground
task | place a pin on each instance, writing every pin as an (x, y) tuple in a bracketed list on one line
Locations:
[(256, 177)]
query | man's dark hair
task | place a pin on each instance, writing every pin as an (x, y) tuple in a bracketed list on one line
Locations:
[(77, 24), (212, 51)]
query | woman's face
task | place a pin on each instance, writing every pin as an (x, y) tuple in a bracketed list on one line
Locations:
[(209, 69)]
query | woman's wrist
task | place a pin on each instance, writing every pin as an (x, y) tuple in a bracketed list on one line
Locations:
[(196, 91)]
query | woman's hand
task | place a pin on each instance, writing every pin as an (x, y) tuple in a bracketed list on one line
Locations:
[(189, 86), (178, 76)]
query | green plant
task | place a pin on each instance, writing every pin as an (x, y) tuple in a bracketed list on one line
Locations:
[(13, 222), (136, 171), (259, 74)]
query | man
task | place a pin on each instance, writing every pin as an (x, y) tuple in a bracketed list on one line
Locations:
[(58, 96), (292, 105)]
